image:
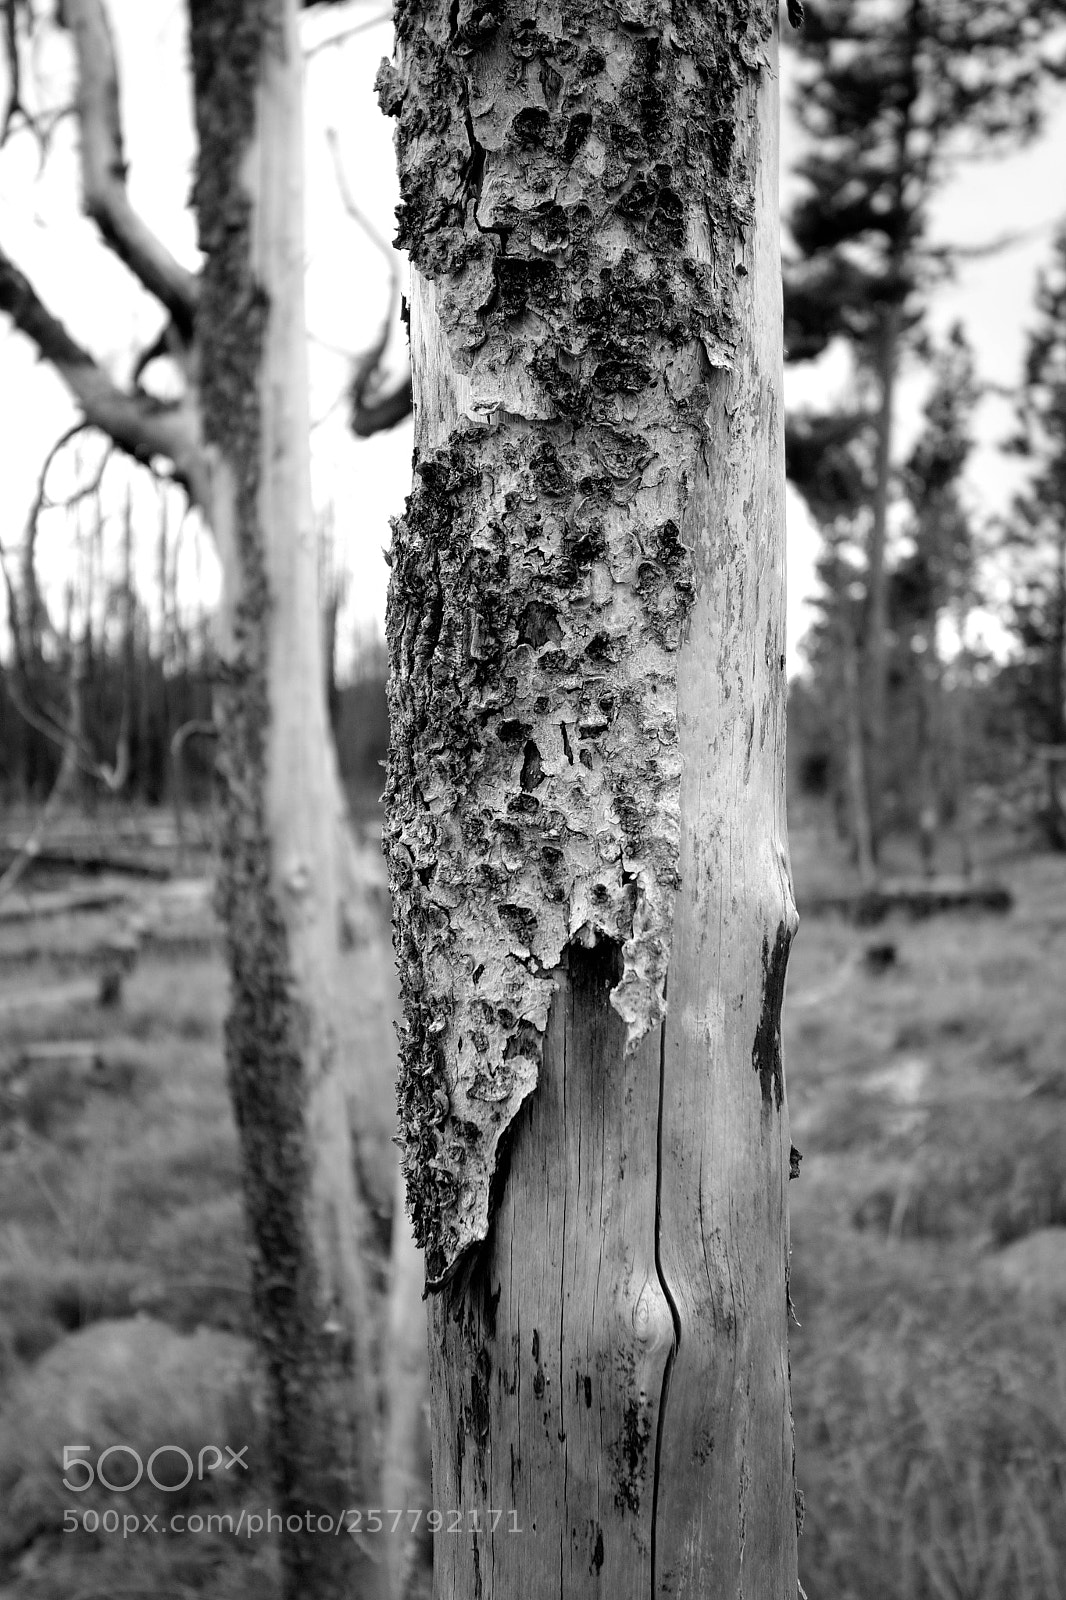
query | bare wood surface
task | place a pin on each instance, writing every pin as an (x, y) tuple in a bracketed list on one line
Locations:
[(727, 1517), (549, 1370)]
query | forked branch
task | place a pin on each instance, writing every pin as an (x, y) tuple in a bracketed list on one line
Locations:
[(103, 166), (139, 425)]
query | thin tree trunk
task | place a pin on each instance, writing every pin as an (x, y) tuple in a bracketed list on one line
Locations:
[(928, 746), (405, 1467), (128, 654), (855, 760), (585, 796), (70, 784), (960, 703), (1057, 696), (875, 628), (279, 878)]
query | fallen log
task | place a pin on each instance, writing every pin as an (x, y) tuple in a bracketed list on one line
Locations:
[(913, 897), (63, 902), (79, 857), (77, 1055)]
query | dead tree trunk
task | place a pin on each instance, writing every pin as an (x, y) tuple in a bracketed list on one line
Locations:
[(585, 794), (875, 619), (855, 758), (279, 874), (930, 742)]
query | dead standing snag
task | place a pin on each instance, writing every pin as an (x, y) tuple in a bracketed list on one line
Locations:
[(585, 788)]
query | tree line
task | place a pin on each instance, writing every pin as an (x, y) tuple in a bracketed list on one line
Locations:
[(899, 714)]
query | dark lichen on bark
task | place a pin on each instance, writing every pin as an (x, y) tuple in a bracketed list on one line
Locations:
[(570, 189), (266, 1026)]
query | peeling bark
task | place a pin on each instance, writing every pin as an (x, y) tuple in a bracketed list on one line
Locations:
[(585, 791), (575, 304)]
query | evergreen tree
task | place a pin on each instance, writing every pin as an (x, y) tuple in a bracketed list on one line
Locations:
[(890, 95), (826, 457), (1037, 532), (937, 575)]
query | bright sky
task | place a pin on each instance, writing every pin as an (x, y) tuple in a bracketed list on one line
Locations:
[(347, 284)]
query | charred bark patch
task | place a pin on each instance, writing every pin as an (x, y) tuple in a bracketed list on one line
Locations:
[(766, 1055)]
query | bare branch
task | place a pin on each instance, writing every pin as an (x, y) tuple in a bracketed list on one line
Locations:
[(64, 735), (15, 107), (162, 345), (40, 498), (371, 411), (103, 166), (60, 734), (344, 188), (377, 414), (27, 632), (42, 501), (18, 110), (343, 34), (137, 424)]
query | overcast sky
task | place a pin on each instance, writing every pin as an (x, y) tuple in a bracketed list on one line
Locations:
[(347, 280)]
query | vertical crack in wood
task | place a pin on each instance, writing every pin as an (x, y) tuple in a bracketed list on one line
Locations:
[(569, 1055), (675, 1316)]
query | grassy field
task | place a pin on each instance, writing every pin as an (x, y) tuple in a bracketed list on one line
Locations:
[(928, 1094), (929, 1249)]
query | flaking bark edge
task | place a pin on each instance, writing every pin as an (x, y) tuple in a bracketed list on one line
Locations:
[(573, 201)]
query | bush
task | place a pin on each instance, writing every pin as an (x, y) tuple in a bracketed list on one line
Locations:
[(134, 1383)]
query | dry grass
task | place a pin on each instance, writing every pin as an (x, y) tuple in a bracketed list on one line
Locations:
[(120, 1201), (929, 1101), (930, 1392)]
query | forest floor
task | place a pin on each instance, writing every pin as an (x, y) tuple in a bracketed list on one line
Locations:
[(926, 1068)]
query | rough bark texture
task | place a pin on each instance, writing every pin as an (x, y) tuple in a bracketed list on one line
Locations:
[(570, 306), (585, 802), (278, 888)]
